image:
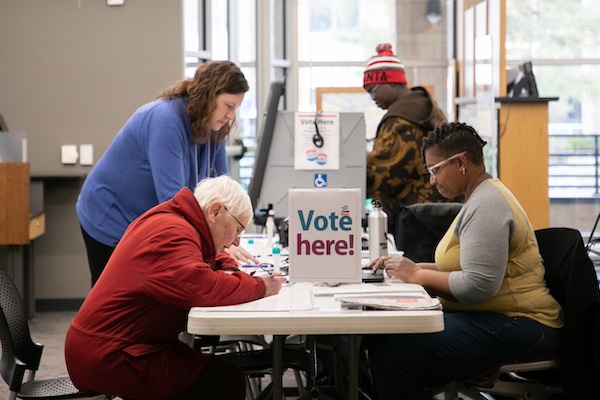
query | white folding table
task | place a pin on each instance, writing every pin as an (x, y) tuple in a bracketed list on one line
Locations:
[(325, 318)]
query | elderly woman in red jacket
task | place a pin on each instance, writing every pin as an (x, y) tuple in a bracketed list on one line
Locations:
[(124, 339)]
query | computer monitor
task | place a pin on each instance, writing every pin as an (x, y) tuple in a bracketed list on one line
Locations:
[(276, 172), (524, 84)]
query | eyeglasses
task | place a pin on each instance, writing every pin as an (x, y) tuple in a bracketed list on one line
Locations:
[(373, 90), (242, 228), (434, 169)]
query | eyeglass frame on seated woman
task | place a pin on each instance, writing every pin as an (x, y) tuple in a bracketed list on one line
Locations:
[(434, 169)]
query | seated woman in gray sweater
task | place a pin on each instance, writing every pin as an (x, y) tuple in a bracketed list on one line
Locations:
[(488, 273)]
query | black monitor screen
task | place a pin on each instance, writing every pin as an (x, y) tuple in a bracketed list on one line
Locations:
[(524, 84), (3, 127)]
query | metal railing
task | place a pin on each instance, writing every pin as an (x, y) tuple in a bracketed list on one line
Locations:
[(574, 165)]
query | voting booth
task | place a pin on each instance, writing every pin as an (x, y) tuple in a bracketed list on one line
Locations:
[(308, 150)]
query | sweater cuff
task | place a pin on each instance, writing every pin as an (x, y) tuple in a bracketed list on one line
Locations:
[(262, 288)]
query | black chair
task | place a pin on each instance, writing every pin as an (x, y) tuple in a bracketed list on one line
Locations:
[(254, 355), (418, 228), (592, 243), (255, 358), (572, 281), (21, 356)]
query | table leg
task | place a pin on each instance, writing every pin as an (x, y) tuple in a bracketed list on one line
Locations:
[(353, 364), (314, 391), (277, 348), (20, 270)]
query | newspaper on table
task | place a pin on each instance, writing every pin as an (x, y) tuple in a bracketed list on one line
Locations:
[(402, 301)]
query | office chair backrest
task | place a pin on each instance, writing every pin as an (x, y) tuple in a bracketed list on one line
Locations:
[(569, 270), (418, 228), (572, 280), (11, 305), (19, 353), (11, 369)]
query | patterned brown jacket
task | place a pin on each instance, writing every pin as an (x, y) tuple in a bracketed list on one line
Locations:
[(395, 168)]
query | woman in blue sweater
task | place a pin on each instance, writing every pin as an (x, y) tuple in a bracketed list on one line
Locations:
[(166, 145)]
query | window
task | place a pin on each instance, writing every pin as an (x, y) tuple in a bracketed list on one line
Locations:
[(330, 46), (562, 39), (228, 30), (343, 30), (335, 40)]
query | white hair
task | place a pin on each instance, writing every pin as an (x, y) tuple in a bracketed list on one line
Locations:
[(227, 191)]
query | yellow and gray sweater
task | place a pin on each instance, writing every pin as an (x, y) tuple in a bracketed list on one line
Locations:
[(495, 261)]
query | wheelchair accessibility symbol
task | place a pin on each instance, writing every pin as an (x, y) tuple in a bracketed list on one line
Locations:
[(320, 180)]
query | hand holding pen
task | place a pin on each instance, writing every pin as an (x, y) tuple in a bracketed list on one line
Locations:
[(273, 283)]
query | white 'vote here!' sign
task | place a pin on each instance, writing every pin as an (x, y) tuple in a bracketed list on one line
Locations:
[(325, 235)]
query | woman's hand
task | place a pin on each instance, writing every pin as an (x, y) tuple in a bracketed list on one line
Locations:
[(273, 283), (424, 274), (402, 268), (241, 255), (399, 267)]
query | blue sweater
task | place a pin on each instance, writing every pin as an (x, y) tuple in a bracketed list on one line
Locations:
[(148, 162)]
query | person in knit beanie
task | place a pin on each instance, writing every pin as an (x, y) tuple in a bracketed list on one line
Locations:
[(385, 67), (395, 168)]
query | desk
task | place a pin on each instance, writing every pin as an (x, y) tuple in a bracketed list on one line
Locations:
[(21, 221), (326, 318)]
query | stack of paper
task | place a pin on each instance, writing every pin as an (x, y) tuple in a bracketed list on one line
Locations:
[(285, 300), (389, 301), (364, 289)]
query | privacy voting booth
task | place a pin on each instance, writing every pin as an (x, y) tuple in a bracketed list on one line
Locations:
[(288, 157)]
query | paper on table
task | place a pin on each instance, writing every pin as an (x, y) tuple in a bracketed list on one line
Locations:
[(365, 288), (286, 300), (390, 301)]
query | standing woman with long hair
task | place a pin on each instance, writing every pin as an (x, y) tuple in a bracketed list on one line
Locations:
[(170, 143)]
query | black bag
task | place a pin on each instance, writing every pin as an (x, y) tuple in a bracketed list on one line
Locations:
[(419, 227)]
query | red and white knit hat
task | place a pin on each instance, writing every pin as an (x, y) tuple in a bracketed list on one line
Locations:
[(385, 67)]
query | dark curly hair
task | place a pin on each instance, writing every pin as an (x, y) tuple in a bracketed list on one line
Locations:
[(211, 79), (451, 138)]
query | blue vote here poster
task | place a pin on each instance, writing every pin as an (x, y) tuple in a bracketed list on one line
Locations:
[(325, 235)]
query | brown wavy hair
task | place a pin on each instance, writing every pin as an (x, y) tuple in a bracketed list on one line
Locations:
[(211, 79)]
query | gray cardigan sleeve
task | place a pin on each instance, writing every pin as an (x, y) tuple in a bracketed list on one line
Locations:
[(485, 228)]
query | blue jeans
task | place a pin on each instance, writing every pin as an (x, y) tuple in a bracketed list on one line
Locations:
[(406, 366)]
